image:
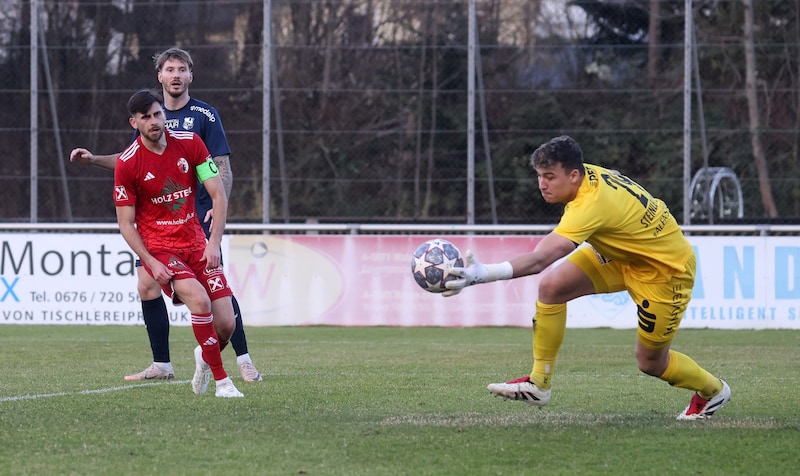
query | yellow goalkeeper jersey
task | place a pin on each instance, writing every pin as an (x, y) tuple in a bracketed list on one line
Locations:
[(625, 224)]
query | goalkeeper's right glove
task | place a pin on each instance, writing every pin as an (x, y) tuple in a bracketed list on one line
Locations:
[(476, 272)]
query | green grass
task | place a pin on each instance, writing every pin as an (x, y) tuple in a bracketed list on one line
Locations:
[(390, 401)]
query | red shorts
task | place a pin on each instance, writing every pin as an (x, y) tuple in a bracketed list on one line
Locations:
[(189, 265)]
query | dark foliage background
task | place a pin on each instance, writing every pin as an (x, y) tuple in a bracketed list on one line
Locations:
[(370, 101)]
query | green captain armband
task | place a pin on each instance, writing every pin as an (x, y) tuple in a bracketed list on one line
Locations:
[(206, 170)]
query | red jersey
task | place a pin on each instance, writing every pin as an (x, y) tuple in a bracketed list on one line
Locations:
[(162, 188)]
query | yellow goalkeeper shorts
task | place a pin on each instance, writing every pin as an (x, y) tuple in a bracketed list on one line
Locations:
[(659, 306)]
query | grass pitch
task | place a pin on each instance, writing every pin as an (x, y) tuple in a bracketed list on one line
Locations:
[(390, 401)]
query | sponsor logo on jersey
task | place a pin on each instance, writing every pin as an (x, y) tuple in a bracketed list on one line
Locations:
[(207, 112), (175, 263), (121, 193), (173, 195), (149, 176), (177, 221), (169, 197), (215, 284)]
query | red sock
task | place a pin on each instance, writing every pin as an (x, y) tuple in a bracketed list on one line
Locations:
[(206, 335)]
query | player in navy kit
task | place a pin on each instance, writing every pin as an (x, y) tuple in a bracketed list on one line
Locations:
[(174, 68)]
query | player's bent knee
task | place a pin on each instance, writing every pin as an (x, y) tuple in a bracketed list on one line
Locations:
[(651, 361), (224, 328), (193, 295), (650, 369), (557, 290), (147, 287), (224, 334), (147, 292), (549, 290), (224, 319)]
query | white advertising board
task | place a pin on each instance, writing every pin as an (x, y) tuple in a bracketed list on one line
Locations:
[(66, 278), (365, 280)]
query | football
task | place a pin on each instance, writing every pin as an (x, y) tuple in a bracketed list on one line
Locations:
[(432, 262)]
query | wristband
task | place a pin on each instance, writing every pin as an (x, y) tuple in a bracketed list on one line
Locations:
[(499, 271)]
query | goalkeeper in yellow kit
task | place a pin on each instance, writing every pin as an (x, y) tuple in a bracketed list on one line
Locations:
[(634, 244)]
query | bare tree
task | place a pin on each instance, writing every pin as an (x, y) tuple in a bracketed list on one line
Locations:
[(426, 23), (429, 193), (752, 107), (654, 36)]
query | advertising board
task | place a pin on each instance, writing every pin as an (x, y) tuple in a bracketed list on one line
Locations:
[(750, 282)]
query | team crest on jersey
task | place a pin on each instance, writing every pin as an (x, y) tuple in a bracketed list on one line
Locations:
[(183, 165), (121, 193), (188, 123)]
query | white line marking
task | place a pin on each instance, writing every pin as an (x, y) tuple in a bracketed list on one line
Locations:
[(89, 392)]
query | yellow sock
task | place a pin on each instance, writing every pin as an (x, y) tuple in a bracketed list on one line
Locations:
[(549, 326), (683, 372)]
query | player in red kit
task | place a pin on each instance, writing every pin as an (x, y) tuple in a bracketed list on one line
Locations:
[(155, 180), (175, 72)]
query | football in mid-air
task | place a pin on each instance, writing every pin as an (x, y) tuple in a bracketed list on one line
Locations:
[(432, 262)]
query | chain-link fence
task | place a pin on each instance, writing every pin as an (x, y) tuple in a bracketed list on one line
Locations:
[(370, 101)]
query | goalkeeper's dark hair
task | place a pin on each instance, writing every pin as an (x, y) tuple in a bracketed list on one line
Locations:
[(562, 149)]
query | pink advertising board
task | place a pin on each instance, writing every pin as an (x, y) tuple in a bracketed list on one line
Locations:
[(366, 280), (742, 282)]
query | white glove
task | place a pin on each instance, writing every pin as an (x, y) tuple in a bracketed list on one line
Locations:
[(476, 272)]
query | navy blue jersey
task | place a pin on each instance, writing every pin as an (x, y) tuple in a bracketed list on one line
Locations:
[(202, 119)]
